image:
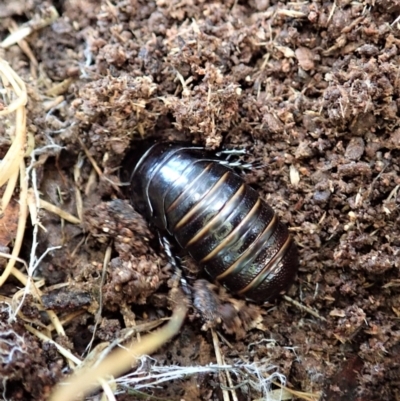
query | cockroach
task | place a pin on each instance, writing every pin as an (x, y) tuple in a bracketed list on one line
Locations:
[(195, 196)]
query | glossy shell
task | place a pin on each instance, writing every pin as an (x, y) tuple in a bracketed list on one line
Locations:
[(217, 218)]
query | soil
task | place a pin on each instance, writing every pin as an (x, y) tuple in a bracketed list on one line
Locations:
[(310, 90)]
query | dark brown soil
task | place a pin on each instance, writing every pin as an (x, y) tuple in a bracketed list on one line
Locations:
[(307, 87)]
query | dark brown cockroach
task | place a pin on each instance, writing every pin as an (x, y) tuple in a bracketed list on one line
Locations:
[(194, 196)]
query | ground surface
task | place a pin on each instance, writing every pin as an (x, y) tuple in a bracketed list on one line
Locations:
[(309, 88)]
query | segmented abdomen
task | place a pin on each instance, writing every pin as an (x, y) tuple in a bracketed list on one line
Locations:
[(220, 221)]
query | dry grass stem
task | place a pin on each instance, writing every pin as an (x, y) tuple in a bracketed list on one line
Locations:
[(292, 13), (77, 179), (24, 46), (66, 319), (15, 91), (230, 382), (63, 351), (218, 356), (290, 393), (96, 166), (23, 214), (12, 165), (303, 307), (8, 193), (25, 30), (60, 212), (21, 277), (106, 261), (119, 360)]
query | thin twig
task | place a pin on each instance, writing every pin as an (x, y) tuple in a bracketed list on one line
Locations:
[(106, 261), (303, 308), (96, 166), (218, 355)]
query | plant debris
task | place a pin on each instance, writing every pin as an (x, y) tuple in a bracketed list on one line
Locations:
[(309, 89)]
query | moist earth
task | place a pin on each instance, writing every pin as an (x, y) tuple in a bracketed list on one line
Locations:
[(309, 89)]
